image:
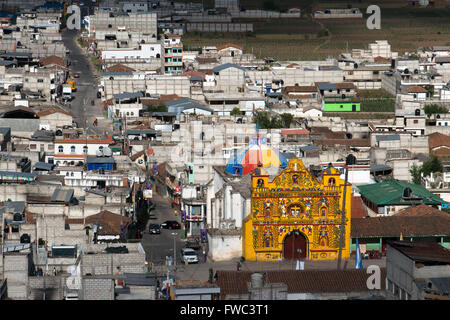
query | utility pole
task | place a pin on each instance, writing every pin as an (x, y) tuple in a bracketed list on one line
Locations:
[(350, 160)]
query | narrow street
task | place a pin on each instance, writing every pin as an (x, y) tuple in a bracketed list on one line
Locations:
[(86, 85), (158, 246)]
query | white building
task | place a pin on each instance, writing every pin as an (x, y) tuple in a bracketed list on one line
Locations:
[(145, 51)]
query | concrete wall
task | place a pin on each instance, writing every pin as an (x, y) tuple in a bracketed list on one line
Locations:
[(97, 289), (224, 247), (101, 263), (54, 286), (16, 272)]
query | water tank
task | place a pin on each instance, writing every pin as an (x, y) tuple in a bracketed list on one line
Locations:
[(17, 217), (25, 238), (417, 113), (406, 71), (407, 193), (107, 152), (257, 280), (416, 71), (355, 66)]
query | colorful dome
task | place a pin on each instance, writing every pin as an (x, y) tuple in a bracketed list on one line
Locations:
[(256, 154)]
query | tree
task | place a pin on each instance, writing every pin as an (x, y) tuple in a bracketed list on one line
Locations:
[(266, 120), (415, 174), (286, 120), (270, 5), (433, 109), (158, 108), (432, 165), (236, 112)]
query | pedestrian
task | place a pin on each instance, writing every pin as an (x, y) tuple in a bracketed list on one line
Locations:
[(238, 267), (204, 255), (54, 271)]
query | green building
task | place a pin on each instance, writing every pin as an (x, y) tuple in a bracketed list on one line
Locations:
[(341, 106), (390, 196)]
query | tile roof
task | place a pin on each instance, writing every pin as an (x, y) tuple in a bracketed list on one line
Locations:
[(345, 85), (109, 222), (357, 209), (299, 281), (393, 226), (207, 60), (343, 142), (422, 210), (390, 192), (294, 131), (52, 60), (438, 139), (416, 89), (120, 68), (289, 89), (229, 45), (53, 110)]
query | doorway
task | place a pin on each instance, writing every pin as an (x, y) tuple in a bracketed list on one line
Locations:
[(294, 245)]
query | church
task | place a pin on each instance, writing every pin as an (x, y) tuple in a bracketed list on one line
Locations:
[(295, 215)]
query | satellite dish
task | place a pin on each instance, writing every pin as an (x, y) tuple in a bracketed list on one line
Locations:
[(99, 153), (107, 152)]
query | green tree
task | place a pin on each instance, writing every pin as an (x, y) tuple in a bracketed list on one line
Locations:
[(158, 108), (236, 112), (415, 174), (433, 109), (286, 120), (270, 5), (266, 120), (432, 165)]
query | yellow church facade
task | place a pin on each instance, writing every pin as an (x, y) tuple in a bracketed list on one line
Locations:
[(295, 216)]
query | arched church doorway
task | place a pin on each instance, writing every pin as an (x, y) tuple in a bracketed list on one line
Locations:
[(294, 245)]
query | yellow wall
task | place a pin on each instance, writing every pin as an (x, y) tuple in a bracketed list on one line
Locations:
[(271, 218)]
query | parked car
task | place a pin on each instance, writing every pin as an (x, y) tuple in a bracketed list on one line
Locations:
[(154, 229), (189, 255), (170, 224), (193, 243)]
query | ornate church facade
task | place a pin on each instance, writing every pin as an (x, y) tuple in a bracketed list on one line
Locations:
[(295, 216)]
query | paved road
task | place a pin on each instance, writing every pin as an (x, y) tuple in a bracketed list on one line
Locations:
[(86, 85), (158, 246)]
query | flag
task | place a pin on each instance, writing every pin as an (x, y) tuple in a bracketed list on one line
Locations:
[(358, 256)]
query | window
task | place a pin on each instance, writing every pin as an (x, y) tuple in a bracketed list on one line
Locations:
[(40, 80), (32, 147), (72, 149), (85, 149), (60, 149), (416, 121)]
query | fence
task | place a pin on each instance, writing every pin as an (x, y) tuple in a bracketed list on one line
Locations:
[(220, 27)]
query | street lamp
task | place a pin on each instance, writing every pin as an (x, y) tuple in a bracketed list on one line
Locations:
[(350, 160)]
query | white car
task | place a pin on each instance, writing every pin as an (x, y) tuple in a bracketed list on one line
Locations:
[(189, 255)]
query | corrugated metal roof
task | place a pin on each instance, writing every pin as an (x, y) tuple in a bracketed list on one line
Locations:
[(128, 95), (391, 193), (226, 66), (388, 137), (62, 195)]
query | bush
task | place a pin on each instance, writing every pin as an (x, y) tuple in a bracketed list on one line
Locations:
[(236, 112), (159, 108), (434, 108), (266, 120)]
